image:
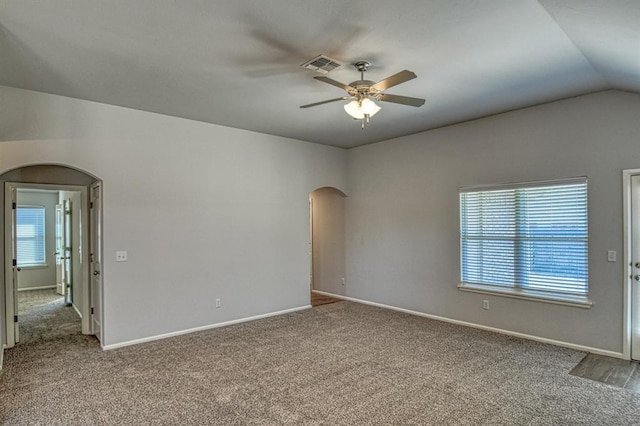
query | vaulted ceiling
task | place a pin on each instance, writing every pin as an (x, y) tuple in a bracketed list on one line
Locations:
[(237, 62)]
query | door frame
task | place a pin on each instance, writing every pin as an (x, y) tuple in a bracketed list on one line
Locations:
[(8, 261), (95, 250), (628, 262)]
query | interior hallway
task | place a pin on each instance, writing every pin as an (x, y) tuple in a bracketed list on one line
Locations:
[(45, 318)]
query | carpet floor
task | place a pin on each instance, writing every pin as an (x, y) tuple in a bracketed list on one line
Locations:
[(45, 317), (336, 364)]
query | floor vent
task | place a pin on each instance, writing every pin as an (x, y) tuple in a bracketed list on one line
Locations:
[(322, 64)]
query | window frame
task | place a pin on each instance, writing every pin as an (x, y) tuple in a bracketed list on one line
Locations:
[(516, 290), (33, 265)]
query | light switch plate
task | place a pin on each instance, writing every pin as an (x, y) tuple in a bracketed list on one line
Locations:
[(611, 256), (121, 256)]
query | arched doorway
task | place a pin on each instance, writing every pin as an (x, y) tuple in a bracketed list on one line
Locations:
[(62, 182), (328, 271)]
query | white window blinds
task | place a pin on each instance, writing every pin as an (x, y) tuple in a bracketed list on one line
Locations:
[(530, 236), (30, 235)]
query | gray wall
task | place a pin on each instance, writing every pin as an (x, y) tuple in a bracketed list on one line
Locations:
[(41, 276), (204, 211), (328, 240), (402, 211), (211, 212)]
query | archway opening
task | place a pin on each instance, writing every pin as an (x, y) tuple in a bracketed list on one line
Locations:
[(68, 192), (328, 253)]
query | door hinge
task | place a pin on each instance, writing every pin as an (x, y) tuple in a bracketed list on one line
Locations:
[(15, 318), (92, 310), (14, 206), (15, 262), (91, 205)]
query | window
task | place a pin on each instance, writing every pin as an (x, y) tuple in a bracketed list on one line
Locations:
[(528, 240), (30, 236)]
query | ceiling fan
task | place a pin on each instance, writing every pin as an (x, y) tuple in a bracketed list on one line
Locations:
[(363, 93)]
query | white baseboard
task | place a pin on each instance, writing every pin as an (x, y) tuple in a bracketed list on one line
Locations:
[(45, 287), (482, 327), (77, 310), (337, 296), (205, 327), (325, 293)]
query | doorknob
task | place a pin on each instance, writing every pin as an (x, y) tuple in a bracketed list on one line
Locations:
[(637, 265), (637, 277), (98, 273)]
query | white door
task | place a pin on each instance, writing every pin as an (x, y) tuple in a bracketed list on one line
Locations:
[(635, 267), (59, 229), (96, 260), (67, 263), (15, 269), (310, 244)]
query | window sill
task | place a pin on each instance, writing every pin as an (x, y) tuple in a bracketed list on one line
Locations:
[(533, 295)]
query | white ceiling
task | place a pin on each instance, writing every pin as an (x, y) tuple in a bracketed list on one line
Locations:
[(236, 62)]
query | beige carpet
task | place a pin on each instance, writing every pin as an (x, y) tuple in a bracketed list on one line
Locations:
[(337, 364), (45, 317)]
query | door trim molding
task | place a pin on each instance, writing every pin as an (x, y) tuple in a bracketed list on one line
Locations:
[(626, 248)]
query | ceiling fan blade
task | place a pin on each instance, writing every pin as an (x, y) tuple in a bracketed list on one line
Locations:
[(394, 80), (334, 83), (404, 100), (325, 102)]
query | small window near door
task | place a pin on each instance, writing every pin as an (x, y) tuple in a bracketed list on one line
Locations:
[(30, 236)]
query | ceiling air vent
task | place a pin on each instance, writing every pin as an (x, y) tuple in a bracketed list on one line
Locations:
[(322, 64)]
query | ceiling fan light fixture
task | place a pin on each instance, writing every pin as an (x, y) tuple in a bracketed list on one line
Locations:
[(354, 110), (361, 109), (369, 107)]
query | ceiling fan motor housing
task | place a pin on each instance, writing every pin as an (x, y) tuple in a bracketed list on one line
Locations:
[(362, 88)]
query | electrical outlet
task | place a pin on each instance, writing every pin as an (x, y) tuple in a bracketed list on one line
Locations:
[(342, 280), (611, 256), (218, 303), (485, 304), (121, 256)]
